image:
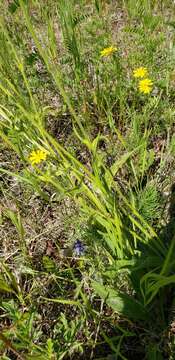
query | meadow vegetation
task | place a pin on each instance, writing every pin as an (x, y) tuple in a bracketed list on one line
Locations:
[(87, 170)]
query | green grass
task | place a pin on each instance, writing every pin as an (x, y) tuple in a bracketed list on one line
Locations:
[(105, 182)]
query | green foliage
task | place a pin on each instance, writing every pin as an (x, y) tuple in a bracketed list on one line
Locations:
[(121, 302), (103, 144), (149, 203), (66, 333)]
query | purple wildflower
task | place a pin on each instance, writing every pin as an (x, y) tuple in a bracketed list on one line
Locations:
[(79, 248)]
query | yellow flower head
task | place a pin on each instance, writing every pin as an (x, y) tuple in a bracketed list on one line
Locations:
[(108, 51), (37, 156), (140, 72), (145, 86)]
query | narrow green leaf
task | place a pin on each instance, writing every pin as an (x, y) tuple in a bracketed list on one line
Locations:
[(120, 162), (62, 301), (4, 286), (120, 302), (153, 353)]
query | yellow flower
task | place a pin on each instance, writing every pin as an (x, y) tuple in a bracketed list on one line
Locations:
[(108, 51), (145, 86), (140, 72), (37, 156)]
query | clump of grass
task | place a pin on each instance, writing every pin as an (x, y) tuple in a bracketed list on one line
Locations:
[(149, 203), (99, 283)]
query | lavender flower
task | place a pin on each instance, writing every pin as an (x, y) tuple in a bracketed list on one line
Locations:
[(78, 248)]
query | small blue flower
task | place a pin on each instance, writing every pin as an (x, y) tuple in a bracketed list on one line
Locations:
[(79, 248)]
